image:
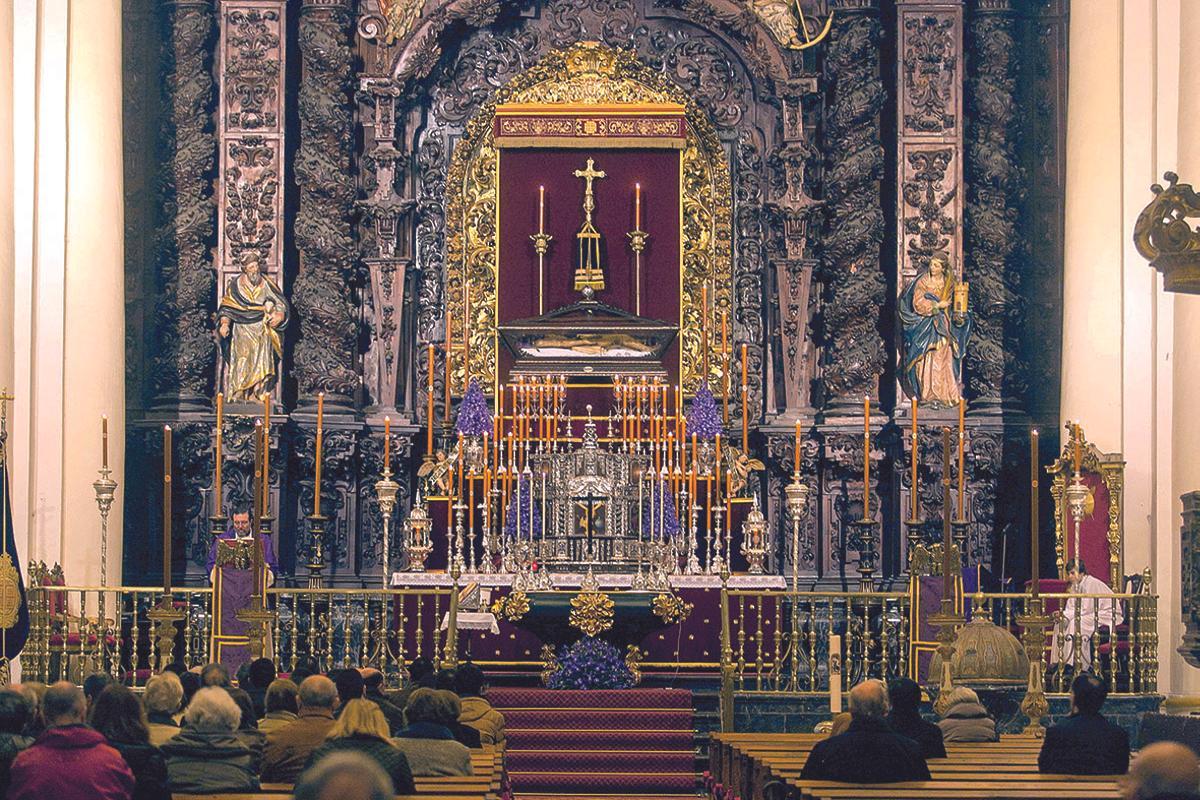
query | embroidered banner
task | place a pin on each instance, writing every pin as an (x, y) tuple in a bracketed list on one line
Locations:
[(542, 125)]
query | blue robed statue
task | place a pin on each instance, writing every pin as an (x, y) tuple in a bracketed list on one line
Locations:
[(935, 335)]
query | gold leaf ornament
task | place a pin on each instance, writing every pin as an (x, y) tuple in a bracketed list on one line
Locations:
[(671, 608), (512, 607), (592, 612)]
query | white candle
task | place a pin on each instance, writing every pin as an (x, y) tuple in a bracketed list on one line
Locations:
[(541, 209), (637, 205)]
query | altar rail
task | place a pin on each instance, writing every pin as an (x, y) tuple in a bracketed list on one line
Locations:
[(780, 642), (79, 630)]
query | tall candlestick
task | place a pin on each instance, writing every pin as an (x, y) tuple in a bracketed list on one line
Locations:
[(320, 445), (387, 443), (429, 410), (167, 509), (218, 501), (745, 399), (947, 581), (449, 351), (916, 442), (704, 330), (796, 454), (637, 206), (1034, 545), (962, 474), (866, 457), (541, 209), (695, 461), (266, 480), (835, 674), (104, 441), (725, 363), (257, 482), (1076, 437)]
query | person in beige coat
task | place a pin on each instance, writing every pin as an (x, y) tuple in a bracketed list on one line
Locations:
[(470, 684), (426, 741), (163, 696)]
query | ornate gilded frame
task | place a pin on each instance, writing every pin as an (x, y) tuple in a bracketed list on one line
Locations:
[(585, 73), (1111, 469)]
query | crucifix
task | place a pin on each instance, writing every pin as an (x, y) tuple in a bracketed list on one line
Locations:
[(589, 278), (592, 504)]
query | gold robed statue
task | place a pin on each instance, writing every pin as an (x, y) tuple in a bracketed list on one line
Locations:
[(936, 326), (250, 317)]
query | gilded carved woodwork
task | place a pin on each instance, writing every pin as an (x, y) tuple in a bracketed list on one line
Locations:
[(584, 74), (1189, 596), (1166, 239), (1110, 467)]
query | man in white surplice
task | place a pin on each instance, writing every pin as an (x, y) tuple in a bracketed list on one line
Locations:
[(1081, 617)]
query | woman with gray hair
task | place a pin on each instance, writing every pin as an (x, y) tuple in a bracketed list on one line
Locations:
[(344, 774), (164, 695), (965, 718), (207, 756)]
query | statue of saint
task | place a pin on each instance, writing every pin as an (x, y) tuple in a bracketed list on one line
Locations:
[(935, 335), (249, 319)]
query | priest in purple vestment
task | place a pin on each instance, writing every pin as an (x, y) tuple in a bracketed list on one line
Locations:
[(240, 530), (231, 570)]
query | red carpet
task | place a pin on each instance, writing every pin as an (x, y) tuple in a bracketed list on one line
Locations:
[(610, 743)]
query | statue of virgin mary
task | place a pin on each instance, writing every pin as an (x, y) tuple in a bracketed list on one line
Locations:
[(935, 337)]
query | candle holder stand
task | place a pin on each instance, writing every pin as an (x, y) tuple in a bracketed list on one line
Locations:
[(946, 622), (959, 529), (864, 532), (417, 543), (386, 490), (1034, 704), (259, 620), (217, 524), (637, 243), (163, 617), (105, 488), (754, 539), (316, 550), (1077, 495), (541, 245)]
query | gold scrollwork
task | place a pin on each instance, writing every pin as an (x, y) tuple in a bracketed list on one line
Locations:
[(586, 73), (549, 663), (512, 607), (633, 662), (671, 608), (592, 612)]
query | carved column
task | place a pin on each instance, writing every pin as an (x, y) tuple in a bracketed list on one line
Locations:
[(853, 285), (995, 191), (251, 121), (183, 366), (1189, 537), (323, 290)]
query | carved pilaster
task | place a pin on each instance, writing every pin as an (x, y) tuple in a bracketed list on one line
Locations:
[(1189, 537), (183, 364), (328, 323), (853, 285), (995, 373)]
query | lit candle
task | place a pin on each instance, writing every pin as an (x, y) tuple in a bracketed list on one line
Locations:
[(637, 206), (866, 456), (166, 509), (218, 498), (387, 443), (104, 441), (796, 454), (947, 580), (695, 462), (266, 479), (745, 400), (449, 349), (541, 209), (835, 673), (320, 444), (962, 474), (429, 411), (725, 364), (1033, 510), (915, 446)]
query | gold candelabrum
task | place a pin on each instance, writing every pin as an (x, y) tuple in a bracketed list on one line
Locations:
[(386, 490), (418, 543), (946, 620), (164, 616), (1034, 622)]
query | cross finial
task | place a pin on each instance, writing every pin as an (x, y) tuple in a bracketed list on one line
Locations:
[(589, 198)]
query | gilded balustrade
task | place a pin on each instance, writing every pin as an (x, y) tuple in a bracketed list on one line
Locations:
[(335, 627)]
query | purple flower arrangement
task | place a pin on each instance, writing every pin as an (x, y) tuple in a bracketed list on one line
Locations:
[(590, 663), (670, 520), (530, 511), (703, 419), (474, 418)]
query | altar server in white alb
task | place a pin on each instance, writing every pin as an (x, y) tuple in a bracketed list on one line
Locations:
[(1083, 616)]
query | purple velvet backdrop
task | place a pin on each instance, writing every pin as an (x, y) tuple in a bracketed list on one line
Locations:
[(522, 171)]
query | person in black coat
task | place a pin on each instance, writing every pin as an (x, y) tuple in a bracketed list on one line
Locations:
[(15, 712), (118, 714), (869, 751), (1085, 743), (906, 720)]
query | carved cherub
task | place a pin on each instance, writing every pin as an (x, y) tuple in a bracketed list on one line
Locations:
[(740, 466), (439, 473)]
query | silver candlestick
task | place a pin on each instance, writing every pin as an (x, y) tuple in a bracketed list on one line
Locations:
[(456, 541), (797, 495), (1077, 494), (417, 540), (717, 563), (386, 490), (693, 563), (105, 488)]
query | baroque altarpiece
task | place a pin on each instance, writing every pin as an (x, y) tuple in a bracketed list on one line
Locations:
[(322, 189)]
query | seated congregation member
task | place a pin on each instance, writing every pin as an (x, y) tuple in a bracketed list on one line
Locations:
[(1085, 743), (15, 711), (215, 675), (289, 747), (427, 740), (373, 681), (350, 686), (247, 729), (869, 751), (93, 685), (477, 712), (260, 675), (163, 697), (190, 681), (344, 776), (362, 728), (118, 714), (966, 720), (33, 692), (1163, 771), (303, 669), (906, 720), (282, 703), (70, 761), (420, 674), (444, 681), (207, 756)]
